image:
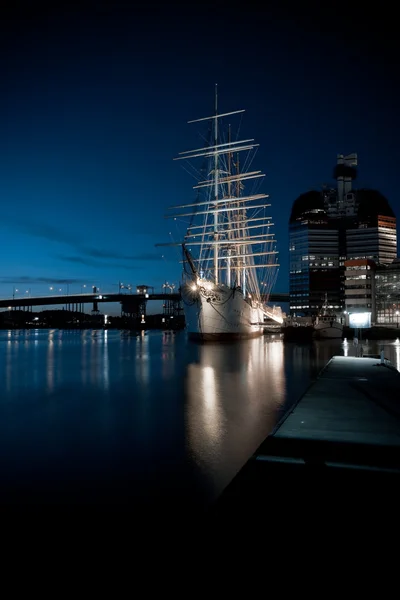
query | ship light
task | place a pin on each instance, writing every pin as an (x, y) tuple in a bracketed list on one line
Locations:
[(194, 287)]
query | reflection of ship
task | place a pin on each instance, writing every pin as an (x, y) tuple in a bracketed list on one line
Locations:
[(234, 397), (327, 324), (229, 251)]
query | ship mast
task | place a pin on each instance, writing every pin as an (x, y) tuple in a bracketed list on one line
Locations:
[(216, 214), (241, 249), (222, 217), (228, 260)]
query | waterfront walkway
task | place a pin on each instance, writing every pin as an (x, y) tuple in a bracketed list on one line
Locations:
[(339, 444), (353, 400)]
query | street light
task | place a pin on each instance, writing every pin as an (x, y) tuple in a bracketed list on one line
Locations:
[(125, 286), (171, 287)]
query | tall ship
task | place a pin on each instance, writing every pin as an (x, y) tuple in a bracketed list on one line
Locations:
[(229, 254)]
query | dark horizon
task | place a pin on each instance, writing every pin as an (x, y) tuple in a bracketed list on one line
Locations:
[(94, 106)]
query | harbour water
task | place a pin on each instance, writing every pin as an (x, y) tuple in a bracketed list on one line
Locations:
[(108, 416)]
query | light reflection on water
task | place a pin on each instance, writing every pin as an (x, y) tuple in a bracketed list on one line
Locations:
[(8, 364), (106, 363), (50, 365), (397, 354), (233, 398), (153, 404)]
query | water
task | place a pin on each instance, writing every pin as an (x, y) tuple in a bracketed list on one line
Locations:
[(107, 416)]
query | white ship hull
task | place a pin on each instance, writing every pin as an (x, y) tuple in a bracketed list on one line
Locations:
[(328, 330), (220, 313)]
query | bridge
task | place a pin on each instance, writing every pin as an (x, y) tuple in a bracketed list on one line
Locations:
[(80, 299), (96, 298), (133, 306)]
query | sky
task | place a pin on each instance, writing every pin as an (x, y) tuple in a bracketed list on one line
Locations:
[(94, 104)]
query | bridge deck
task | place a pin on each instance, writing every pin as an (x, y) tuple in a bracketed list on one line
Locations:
[(90, 298), (84, 298)]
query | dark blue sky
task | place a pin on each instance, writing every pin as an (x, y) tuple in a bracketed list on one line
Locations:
[(94, 103)]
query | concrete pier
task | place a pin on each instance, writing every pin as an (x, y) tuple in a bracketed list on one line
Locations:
[(353, 400), (338, 446)]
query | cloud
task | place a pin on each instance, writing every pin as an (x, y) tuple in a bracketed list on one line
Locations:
[(92, 263), (96, 253), (42, 230), (146, 256), (57, 234), (80, 260), (28, 279)]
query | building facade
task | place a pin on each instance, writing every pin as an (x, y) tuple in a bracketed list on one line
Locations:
[(314, 259), (387, 293), (373, 235), (328, 228), (360, 287)]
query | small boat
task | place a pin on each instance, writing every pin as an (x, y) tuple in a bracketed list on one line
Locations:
[(327, 324)]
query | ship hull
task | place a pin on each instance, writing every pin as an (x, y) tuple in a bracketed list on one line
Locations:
[(328, 331), (220, 314)]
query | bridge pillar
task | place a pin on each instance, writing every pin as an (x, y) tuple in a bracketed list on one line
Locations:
[(133, 309), (95, 309), (172, 307), (172, 311)]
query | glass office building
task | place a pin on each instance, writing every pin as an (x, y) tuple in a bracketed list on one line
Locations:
[(330, 226)]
